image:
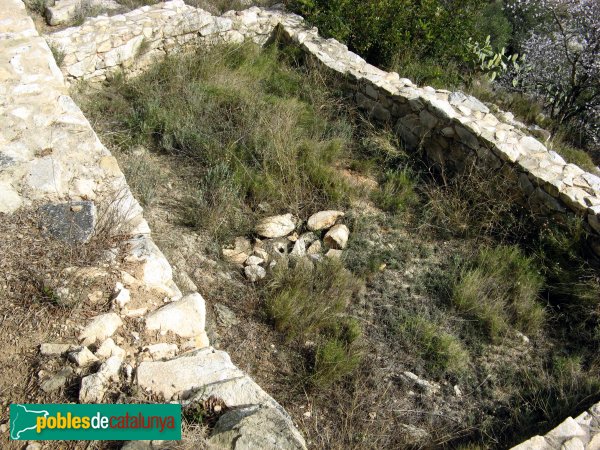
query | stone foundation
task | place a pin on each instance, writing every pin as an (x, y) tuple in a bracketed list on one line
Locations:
[(454, 130)]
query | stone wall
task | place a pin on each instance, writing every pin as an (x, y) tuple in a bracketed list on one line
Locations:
[(52, 161), (456, 130), (453, 129), (580, 433), (130, 41)]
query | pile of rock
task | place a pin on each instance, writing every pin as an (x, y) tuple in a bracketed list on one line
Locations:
[(286, 240)]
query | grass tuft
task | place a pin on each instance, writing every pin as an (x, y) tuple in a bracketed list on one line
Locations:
[(501, 288), (311, 305), (397, 191), (443, 352)]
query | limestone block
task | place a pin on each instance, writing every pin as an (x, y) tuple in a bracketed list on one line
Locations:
[(323, 220), (276, 226), (180, 377), (256, 427), (100, 328), (185, 318), (10, 200)]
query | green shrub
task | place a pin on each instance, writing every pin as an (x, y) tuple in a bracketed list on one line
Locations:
[(37, 6), (496, 24), (58, 54), (548, 394), (442, 352), (430, 71), (569, 276), (501, 289), (396, 192), (378, 30), (334, 360)]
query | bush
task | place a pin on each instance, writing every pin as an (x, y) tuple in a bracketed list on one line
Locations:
[(430, 71), (561, 46), (442, 352), (379, 30), (499, 289), (496, 23), (546, 395)]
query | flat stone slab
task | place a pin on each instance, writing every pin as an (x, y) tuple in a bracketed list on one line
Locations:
[(71, 222), (182, 376)]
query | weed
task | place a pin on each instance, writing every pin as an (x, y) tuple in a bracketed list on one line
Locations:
[(428, 71), (501, 288), (133, 4), (143, 47), (58, 53), (84, 10)]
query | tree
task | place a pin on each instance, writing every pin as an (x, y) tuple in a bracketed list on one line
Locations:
[(563, 61)]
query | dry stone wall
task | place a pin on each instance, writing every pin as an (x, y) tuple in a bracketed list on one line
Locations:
[(51, 161), (454, 130), (130, 41)]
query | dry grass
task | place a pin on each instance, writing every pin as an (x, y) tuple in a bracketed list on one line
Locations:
[(255, 130), (412, 258), (501, 291)]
